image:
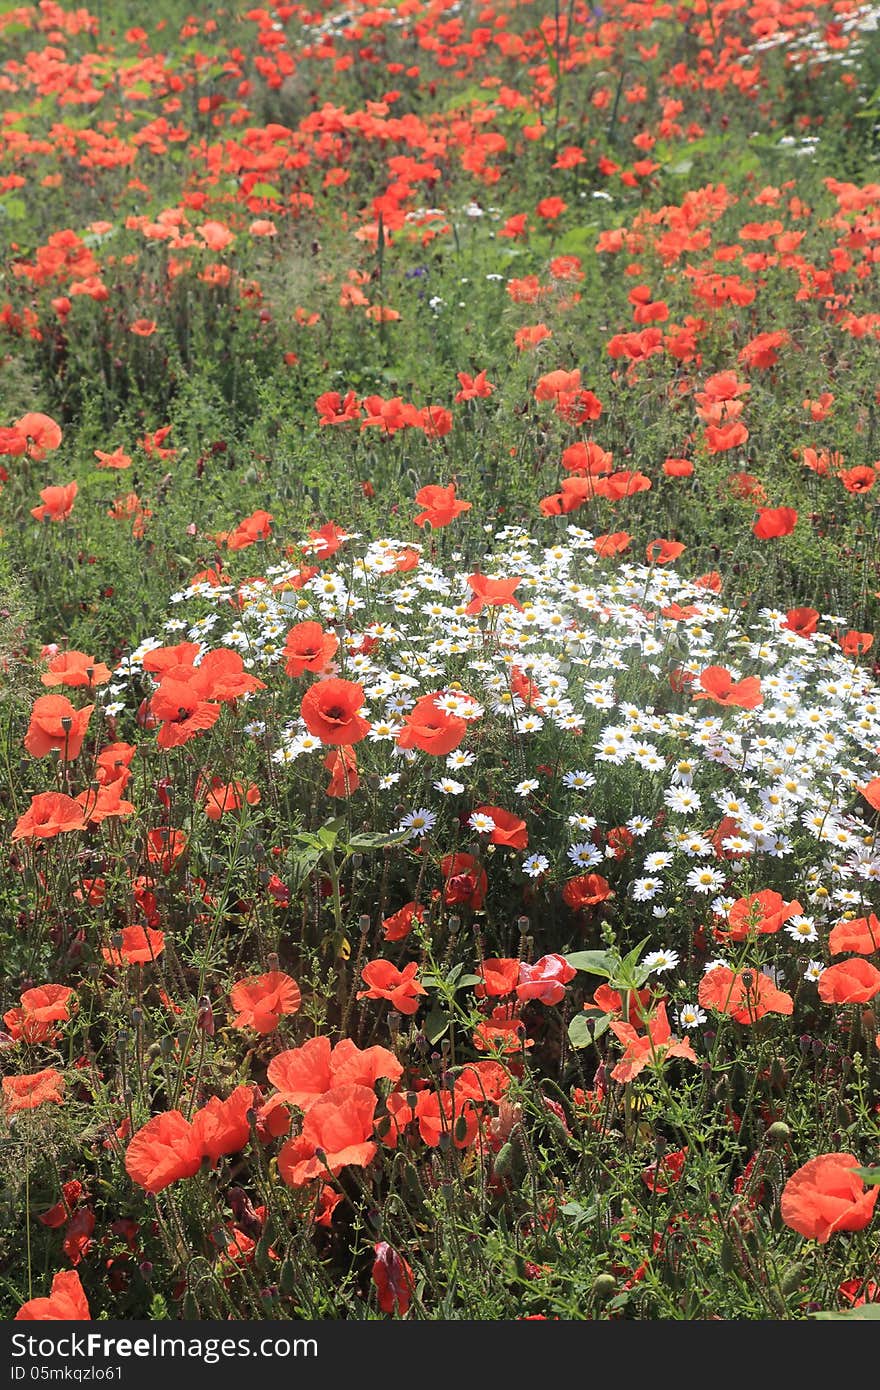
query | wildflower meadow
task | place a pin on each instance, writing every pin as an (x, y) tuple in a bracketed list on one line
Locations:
[(439, 674)]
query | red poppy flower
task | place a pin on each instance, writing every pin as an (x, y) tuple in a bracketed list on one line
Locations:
[(165, 846), (719, 438), (453, 1113), (29, 1092), (718, 684), (614, 543), (662, 552), (509, 830), (399, 987), (664, 1172), (499, 976), (138, 946), (362, 1066), (49, 814), (588, 458), (338, 1126), (431, 729), (255, 527), (220, 797), (330, 711), (803, 621), (553, 384), (184, 711), (47, 1003), (326, 541), (826, 1195), (678, 468), (75, 669), (586, 890), (341, 763), (260, 1001), (656, 1045), (57, 502), (42, 435), (545, 980), (399, 925), (745, 995), (303, 1074), (163, 1151), (309, 648), (465, 882), (871, 793), (551, 208), (856, 643), (763, 912), (473, 387), (854, 981), (858, 480), (441, 506), (143, 328), (774, 522), (222, 1126), (492, 593), (117, 459), (393, 1278), (66, 1302), (56, 726), (745, 487), (862, 935), (763, 350)]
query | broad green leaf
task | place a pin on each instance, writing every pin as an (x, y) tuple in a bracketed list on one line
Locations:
[(871, 1176), (436, 1024), (594, 962)]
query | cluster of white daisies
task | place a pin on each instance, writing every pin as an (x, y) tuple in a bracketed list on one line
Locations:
[(594, 677)]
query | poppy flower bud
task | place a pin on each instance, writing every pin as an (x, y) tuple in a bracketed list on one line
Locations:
[(779, 1132), (792, 1278), (504, 1161), (603, 1287), (205, 1016)]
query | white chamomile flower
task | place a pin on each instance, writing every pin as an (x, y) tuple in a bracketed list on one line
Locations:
[(586, 856), (690, 1016), (448, 786), (526, 787), (802, 929), (644, 889), (813, 970), (418, 822), (483, 824), (535, 865), (460, 758), (659, 961), (579, 780)]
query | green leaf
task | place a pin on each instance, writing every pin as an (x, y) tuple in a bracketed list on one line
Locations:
[(378, 841), (585, 1028), (869, 1175), (594, 962), (436, 1024), (13, 208)]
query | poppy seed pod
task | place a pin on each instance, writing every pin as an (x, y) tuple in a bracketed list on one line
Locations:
[(604, 1286), (779, 1132)]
